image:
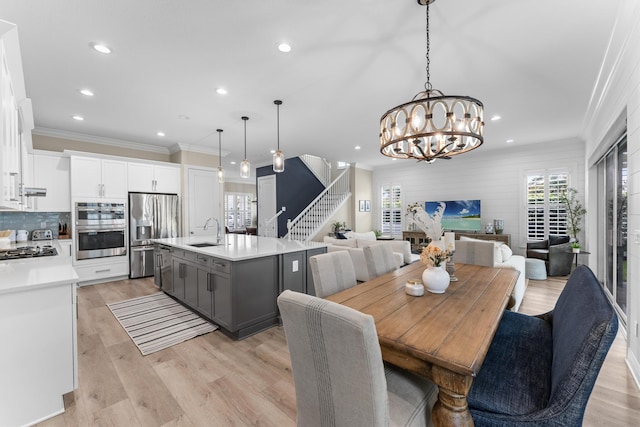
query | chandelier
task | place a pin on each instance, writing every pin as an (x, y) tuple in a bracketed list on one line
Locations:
[(432, 125)]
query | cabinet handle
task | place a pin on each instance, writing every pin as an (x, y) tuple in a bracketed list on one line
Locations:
[(103, 271), (209, 282)]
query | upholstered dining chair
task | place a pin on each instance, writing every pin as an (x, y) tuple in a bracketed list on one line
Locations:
[(338, 372), (540, 370), (379, 260), (332, 272)]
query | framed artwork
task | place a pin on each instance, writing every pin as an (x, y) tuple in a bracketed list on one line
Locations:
[(367, 205), (362, 206)]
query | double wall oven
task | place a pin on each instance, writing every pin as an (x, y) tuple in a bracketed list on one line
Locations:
[(101, 230)]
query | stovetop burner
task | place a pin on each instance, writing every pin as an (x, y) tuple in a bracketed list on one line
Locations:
[(28, 252)]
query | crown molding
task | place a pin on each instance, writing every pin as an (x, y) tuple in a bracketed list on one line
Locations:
[(82, 137), (178, 146)]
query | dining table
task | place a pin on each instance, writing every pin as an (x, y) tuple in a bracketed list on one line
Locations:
[(444, 337)]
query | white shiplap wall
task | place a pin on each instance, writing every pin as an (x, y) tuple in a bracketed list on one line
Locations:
[(495, 176), (617, 95)]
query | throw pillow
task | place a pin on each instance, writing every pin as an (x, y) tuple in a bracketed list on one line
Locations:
[(506, 252), (351, 243), (497, 252), (556, 239), (340, 236), (369, 235)]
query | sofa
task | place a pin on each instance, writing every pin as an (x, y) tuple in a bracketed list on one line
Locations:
[(493, 254), (354, 244)]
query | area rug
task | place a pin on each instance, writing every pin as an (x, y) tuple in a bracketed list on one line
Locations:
[(155, 322)]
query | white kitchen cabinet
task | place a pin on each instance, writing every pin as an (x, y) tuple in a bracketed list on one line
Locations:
[(51, 171), (38, 325), (65, 247), (153, 178), (98, 178), (15, 122), (102, 269)]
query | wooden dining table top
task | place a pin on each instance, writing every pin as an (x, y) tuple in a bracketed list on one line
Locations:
[(444, 337)]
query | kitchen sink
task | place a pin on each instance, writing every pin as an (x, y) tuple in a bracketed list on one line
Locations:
[(203, 244)]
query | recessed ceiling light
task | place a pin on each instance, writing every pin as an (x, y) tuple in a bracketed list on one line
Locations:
[(496, 117), (101, 48), (284, 47), (272, 151), (509, 141), (78, 118), (160, 133), (357, 147), (86, 92), (233, 163), (221, 91)]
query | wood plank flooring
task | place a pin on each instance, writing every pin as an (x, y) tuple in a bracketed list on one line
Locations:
[(213, 380)]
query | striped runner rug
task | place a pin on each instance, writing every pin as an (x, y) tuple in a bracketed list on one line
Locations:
[(155, 322)]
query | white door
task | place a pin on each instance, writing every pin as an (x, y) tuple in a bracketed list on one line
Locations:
[(267, 206), (204, 202)]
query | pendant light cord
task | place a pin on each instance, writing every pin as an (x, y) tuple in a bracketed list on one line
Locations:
[(245, 118), (427, 85), (278, 103), (219, 147)]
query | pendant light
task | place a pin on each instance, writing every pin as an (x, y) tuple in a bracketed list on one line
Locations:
[(278, 157), (245, 166), (432, 125), (220, 170)]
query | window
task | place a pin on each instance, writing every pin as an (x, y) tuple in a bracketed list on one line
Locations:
[(391, 210), (545, 214), (237, 210)]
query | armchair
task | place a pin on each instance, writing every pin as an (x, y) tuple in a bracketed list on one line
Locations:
[(555, 252)]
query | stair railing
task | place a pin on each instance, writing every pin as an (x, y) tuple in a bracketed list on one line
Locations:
[(320, 210)]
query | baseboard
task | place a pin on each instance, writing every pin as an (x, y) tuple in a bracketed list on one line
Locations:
[(634, 367)]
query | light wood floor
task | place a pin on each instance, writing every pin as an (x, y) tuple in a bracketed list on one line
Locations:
[(215, 381)]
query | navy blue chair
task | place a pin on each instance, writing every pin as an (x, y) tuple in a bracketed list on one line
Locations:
[(540, 370)]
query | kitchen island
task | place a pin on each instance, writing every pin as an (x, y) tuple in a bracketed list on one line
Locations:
[(234, 283), (38, 364)]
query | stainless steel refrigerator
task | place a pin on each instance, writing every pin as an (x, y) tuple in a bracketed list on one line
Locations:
[(151, 216)]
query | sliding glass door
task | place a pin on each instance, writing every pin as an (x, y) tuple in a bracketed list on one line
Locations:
[(612, 224)]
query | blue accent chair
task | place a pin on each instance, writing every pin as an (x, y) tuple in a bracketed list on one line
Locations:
[(540, 370)]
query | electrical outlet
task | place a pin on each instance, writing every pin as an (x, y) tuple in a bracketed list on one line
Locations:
[(43, 224), (294, 266)]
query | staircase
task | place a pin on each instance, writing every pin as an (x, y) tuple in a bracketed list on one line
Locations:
[(319, 166), (311, 220)]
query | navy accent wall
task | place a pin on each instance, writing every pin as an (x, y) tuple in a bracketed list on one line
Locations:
[(296, 187)]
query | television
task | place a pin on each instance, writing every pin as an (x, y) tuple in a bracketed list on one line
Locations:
[(459, 215)]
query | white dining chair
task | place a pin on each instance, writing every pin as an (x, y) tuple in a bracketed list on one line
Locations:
[(379, 260), (332, 272)]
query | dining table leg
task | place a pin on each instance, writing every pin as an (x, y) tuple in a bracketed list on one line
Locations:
[(451, 409)]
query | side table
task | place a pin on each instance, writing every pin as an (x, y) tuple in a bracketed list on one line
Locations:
[(579, 253)]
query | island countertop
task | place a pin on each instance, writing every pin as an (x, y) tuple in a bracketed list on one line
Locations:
[(30, 273), (236, 247)]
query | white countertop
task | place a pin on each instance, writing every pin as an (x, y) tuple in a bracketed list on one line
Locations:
[(236, 247), (18, 275)]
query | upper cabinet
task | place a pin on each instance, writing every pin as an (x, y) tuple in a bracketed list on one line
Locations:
[(16, 119), (98, 178), (153, 178), (51, 171)]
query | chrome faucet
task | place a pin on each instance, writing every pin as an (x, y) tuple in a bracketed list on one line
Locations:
[(206, 227)]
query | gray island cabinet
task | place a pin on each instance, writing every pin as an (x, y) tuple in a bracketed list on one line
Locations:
[(236, 283)]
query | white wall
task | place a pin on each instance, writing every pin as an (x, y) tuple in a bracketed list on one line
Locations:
[(495, 176), (617, 95)]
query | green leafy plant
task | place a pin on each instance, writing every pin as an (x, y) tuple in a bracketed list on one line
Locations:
[(575, 211), (575, 245), (338, 225), (378, 233)]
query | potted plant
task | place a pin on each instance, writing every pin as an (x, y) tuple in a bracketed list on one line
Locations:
[(338, 226), (575, 247), (575, 212)]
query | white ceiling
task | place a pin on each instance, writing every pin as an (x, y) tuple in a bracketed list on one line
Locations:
[(534, 63)]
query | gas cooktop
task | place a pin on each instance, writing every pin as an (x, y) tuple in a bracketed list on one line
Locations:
[(27, 252)]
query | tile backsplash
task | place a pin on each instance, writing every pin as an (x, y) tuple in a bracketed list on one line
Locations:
[(35, 221)]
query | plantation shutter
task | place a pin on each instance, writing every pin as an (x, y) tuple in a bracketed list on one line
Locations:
[(391, 210), (545, 214)]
